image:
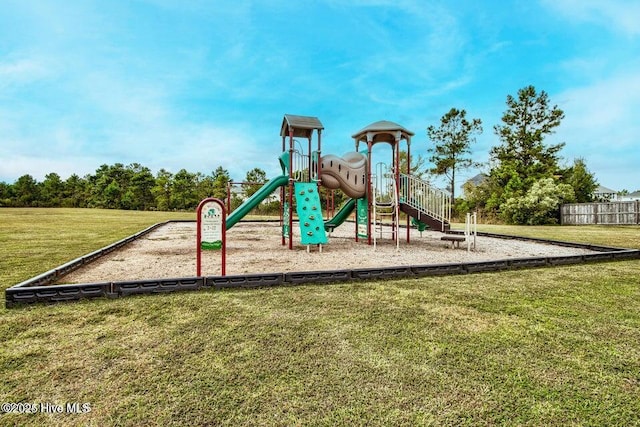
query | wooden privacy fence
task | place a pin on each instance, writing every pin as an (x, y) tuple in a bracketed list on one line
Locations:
[(612, 213)]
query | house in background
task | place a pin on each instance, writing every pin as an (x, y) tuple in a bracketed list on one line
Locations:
[(631, 197), (478, 179), (475, 181), (604, 194), (601, 194)]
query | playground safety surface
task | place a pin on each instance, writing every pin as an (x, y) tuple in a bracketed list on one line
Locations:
[(162, 259), (169, 251)]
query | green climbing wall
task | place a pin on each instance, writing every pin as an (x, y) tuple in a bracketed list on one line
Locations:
[(309, 213)]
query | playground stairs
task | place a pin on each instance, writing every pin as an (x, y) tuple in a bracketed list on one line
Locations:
[(425, 203), (385, 215)]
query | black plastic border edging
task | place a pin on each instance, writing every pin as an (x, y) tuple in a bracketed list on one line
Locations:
[(41, 288), (51, 276), (56, 293)]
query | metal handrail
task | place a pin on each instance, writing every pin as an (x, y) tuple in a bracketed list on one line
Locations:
[(300, 166), (384, 182), (385, 192), (425, 198)]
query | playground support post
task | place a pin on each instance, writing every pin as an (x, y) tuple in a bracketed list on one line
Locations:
[(283, 196), (395, 161), (356, 221), (408, 193), (471, 229), (331, 203), (318, 168), (319, 165), (309, 151), (396, 203), (290, 188), (369, 192)]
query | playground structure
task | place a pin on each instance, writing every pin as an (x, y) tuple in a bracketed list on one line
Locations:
[(376, 194)]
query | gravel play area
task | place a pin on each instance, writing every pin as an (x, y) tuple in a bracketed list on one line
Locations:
[(170, 252)]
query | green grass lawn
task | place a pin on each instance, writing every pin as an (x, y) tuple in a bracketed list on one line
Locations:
[(554, 346), (33, 241), (616, 236)]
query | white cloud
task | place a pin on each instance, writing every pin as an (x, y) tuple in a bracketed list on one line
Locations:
[(197, 86), (21, 71), (604, 113), (194, 147), (618, 15), (15, 165), (200, 147), (601, 126)]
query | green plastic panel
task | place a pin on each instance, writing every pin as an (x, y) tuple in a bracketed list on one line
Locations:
[(309, 213), (362, 218)]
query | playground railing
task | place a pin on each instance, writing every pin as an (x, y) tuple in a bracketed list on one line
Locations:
[(426, 198), (384, 184), (303, 169)]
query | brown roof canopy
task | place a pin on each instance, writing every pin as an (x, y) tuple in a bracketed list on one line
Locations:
[(302, 126), (383, 131)]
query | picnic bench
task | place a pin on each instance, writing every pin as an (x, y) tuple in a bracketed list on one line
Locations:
[(454, 239)]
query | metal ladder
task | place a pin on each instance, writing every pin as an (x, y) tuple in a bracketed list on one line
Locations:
[(385, 204)]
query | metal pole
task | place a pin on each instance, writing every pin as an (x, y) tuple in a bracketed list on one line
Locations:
[(224, 241), (442, 209), (290, 188), (475, 229), (282, 197), (408, 192), (319, 166), (309, 154), (198, 240), (467, 231), (369, 146), (375, 240), (356, 216), (395, 161)]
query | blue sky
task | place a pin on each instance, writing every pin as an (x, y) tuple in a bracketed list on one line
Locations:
[(201, 84)]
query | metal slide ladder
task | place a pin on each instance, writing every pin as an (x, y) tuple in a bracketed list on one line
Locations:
[(424, 202), (385, 204)]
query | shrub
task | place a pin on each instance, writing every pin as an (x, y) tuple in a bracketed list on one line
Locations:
[(540, 205)]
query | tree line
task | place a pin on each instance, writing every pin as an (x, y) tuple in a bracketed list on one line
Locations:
[(131, 187), (525, 181)]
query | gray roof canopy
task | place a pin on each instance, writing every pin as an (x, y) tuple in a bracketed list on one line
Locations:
[(302, 126), (478, 179), (604, 190), (383, 131)]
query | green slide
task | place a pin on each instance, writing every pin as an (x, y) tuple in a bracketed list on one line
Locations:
[(253, 201), (341, 216)]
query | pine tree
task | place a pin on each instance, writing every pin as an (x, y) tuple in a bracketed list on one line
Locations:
[(452, 145), (523, 158)]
